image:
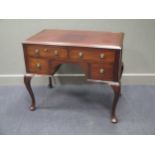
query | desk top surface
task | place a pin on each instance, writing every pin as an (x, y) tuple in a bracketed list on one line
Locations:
[(73, 38)]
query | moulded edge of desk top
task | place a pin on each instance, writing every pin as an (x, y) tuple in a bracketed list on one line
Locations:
[(92, 39)]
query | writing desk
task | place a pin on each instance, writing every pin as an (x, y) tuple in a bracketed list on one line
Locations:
[(99, 54)]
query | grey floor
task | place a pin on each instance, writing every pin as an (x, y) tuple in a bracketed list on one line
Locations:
[(77, 109)]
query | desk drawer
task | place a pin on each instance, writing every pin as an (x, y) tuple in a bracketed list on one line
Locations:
[(95, 55), (102, 72), (38, 66), (47, 52)]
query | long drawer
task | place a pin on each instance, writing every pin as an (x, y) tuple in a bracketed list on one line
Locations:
[(92, 55), (46, 52)]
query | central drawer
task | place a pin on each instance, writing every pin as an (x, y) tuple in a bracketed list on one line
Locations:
[(46, 52), (92, 55)]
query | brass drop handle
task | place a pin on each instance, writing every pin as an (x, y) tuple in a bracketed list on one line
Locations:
[(102, 55), (101, 71), (38, 65), (36, 51), (45, 50), (80, 54), (56, 53)]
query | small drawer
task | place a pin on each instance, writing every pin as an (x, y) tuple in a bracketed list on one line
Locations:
[(38, 66), (47, 52), (102, 72), (93, 55)]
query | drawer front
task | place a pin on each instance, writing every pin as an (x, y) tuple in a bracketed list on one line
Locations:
[(47, 52), (102, 72), (38, 66), (95, 55)]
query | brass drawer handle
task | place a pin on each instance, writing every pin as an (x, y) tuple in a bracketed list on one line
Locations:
[(56, 52), (80, 54), (36, 51), (38, 65), (45, 50), (102, 71), (102, 55)]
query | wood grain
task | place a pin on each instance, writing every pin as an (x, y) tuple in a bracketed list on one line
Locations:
[(99, 54), (32, 66), (92, 55), (106, 76), (46, 51), (76, 38)]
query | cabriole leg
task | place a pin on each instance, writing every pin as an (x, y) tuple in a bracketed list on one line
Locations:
[(116, 89), (50, 85), (122, 69), (27, 81)]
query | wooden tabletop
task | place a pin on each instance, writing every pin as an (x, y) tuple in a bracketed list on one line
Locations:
[(73, 38)]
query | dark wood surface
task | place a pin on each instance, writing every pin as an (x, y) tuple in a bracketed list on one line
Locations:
[(99, 54), (78, 39)]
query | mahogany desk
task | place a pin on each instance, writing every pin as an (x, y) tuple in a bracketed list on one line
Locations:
[(98, 53)]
